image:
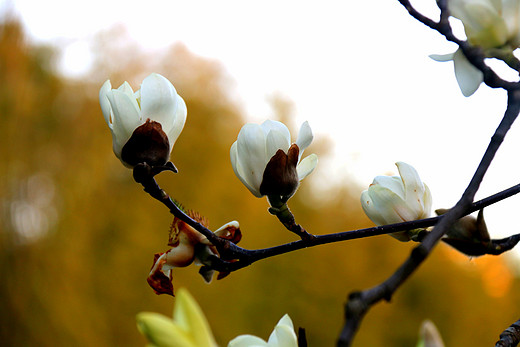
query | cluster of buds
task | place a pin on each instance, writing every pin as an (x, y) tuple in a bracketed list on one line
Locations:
[(489, 24)]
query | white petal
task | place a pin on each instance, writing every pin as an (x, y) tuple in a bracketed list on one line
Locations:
[(306, 166), (269, 125), (468, 77), (189, 316), (275, 140), (429, 336), (474, 14), (442, 57), (178, 122), (304, 137), (484, 25), (105, 103), (393, 183), (286, 320), (427, 203), (511, 15), (159, 101), (283, 334), (126, 88), (389, 206), (413, 186), (247, 341), (251, 158), (370, 209), (222, 232), (161, 331), (126, 118), (237, 168)]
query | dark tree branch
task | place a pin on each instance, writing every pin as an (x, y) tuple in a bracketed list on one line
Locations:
[(245, 257), (360, 302), (511, 336)]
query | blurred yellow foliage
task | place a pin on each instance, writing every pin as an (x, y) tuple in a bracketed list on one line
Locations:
[(77, 235)]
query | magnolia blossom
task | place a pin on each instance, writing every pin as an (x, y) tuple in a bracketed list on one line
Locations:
[(188, 328), (188, 246), (397, 199), (283, 335), (488, 24), (145, 124), (266, 162)]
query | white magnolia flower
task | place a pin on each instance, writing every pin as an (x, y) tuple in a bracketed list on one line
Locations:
[(188, 328), (488, 24), (283, 335), (397, 199), (145, 124), (266, 162)]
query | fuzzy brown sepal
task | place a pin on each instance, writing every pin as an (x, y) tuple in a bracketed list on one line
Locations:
[(148, 144), (280, 175)]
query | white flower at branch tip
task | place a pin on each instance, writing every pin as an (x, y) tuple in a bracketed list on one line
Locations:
[(397, 199), (488, 24), (188, 328), (145, 124), (283, 335), (265, 161)]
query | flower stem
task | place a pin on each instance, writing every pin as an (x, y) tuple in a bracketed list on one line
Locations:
[(280, 209)]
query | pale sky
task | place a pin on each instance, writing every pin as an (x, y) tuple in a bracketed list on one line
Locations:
[(358, 71)]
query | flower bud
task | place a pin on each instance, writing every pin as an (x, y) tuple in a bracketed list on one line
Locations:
[(468, 235), (144, 124), (397, 199), (429, 336), (265, 161), (188, 328)]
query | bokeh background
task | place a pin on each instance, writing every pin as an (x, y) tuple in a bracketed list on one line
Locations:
[(77, 235)]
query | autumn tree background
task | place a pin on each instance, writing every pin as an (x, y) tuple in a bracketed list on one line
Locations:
[(77, 235)]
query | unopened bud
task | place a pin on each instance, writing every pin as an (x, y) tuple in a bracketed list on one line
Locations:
[(468, 235), (148, 144)]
